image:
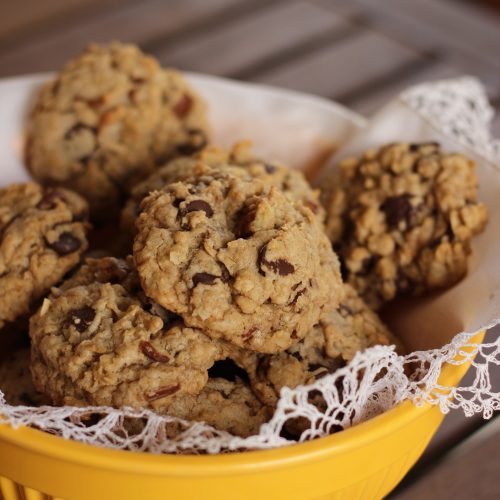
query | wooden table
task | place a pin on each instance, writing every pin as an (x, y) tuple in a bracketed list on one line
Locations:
[(358, 52)]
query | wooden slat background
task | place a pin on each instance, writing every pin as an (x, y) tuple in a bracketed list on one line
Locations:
[(359, 52)]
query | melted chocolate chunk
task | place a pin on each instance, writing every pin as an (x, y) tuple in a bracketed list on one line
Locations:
[(204, 279), (397, 209), (66, 244), (81, 318), (244, 218), (150, 352), (279, 266), (198, 205)]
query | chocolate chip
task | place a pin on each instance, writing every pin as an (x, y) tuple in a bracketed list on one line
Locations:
[(225, 275), (150, 352), (397, 209), (183, 105), (138, 80), (263, 366), (279, 266), (197, 140), (49, 200), (81, 318), (204, 279), (244, 218), (66, 244), (297, 295), (163, 392), (198, 205), (270, 169)]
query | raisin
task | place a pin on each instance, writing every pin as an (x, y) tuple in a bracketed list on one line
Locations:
[(183, 105)]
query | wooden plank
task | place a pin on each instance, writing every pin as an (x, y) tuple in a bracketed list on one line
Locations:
[(463, 35), (256, 36), (25, 19), (340, 67), (135, 23), (470, 471)]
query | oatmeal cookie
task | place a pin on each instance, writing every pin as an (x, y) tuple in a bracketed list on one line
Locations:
[(236, 258), (107, 120), (291, 182), (42, 236), (402, 219), (97, 340), (226, 405), (331, 344)]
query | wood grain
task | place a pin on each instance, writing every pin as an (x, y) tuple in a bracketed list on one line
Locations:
[(233, 48), (137, 23), (342, 66)]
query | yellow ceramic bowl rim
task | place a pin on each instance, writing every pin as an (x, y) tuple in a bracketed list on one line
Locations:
[(42, 443)]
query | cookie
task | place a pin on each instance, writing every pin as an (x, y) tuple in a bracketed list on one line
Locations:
[(330, 345), (291, 182), (226, 405), (15, 380), (236, 258), (97, 340), (108, 119), (402, 219), (42, 236)]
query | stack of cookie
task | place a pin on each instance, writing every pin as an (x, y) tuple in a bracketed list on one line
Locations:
[(224, 287)]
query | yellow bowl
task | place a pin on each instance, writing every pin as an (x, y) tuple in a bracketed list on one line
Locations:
[(366, 461)]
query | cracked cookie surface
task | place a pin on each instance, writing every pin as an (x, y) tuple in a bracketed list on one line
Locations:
[(331, 344), (236, 258), (107, 120), (291, 182), (98, 341), (402, 219), (42, 237)]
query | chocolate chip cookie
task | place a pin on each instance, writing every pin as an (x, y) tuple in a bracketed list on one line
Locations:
[(236, 258), (107, 120), (331, 344), (97, 340), (402, 219), (42, 236), (291, 182)]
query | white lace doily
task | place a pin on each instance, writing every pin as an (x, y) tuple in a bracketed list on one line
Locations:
[(374, 382)]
